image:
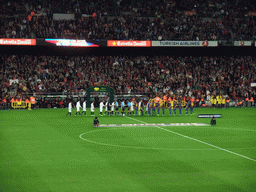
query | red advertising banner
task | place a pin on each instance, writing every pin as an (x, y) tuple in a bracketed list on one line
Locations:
[(17, 41), (252, 13), (117, 43)]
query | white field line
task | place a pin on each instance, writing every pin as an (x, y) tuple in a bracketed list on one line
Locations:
[(135, 147), (198, 141)]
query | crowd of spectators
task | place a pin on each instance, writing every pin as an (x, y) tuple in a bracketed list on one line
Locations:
[(12, 7), (143, 20), (190, 76)]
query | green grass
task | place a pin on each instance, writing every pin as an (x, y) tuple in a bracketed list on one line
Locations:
[(41, 151)]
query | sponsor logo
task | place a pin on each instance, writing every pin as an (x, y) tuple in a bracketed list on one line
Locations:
[(96, 88), (71, 43), (17, 41), (242, 43), (205, 43), (117, 43), (148, 125), (184, 43), (209, 115)]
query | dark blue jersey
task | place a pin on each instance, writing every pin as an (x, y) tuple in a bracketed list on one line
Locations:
[(191, 105)]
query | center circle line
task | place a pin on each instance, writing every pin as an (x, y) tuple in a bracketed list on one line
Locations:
[(148, 148)]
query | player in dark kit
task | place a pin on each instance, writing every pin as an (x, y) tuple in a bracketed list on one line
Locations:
[(109, 108), (158, 108), (191, 108), (174, 108), (153, 108), (149, 108), (170, 108), (96, 122), (180, 107), (136, 107), (186, 107), (163, 107)]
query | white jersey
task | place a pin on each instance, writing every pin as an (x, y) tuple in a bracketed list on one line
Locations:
[(147, 106), (113, 106), (101, 106), (69, 107), (92, 107), (84, 106), (132, 104), (139, 104), (78, 106), (106, 106)]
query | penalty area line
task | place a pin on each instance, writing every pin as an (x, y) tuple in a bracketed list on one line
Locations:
[(191, 138)]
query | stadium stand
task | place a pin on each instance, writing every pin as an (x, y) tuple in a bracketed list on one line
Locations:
[(182, 76), (157, 20)]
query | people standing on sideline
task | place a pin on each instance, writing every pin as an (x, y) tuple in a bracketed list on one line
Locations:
[(112, 108), (191, 108), (136, 107), (106, 107), (158, 108), (174, 108), (69, 108), (101, 107), (170, 108), (186, 107), (149, 108), (129, 108), (116, 108), (163, 107), (92, 109), (153, 108), (180, 107), (84, 108), (78, 106), (132, 107), (123, 108)]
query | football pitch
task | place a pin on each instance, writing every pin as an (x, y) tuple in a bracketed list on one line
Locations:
[(45, 150)]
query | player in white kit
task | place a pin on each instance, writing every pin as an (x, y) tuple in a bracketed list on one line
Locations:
[(78, 106), (92, 109), (106, 107), (84, 108), (69, 108), (112, 108), (101, 107), (132, 107)]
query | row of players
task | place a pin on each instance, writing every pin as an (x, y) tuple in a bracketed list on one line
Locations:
[(134, 107)]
